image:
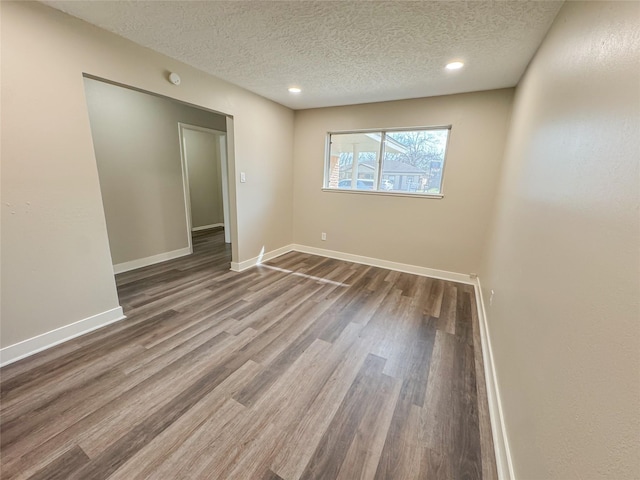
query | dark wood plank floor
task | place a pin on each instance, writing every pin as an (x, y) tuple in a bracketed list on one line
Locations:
[(304, 368)]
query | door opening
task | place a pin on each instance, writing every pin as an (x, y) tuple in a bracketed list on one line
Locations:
[(205, 178)]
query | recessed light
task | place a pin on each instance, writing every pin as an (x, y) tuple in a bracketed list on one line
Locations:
[(294, 90), (454, 65)]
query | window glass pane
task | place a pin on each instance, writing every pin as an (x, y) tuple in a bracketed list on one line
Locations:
[(345, 147), (413, 161)]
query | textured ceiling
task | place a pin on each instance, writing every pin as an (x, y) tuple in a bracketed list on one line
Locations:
[(341, 52)]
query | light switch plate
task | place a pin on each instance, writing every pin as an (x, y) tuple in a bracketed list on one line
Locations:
[(243, 177)]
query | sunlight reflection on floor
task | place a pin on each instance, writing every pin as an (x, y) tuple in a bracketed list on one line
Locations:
[(318, 279)]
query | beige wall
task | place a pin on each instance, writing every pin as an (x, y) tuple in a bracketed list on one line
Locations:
[(564, 260), (137, 150), (56, 266), (446, 234), (205, 182)]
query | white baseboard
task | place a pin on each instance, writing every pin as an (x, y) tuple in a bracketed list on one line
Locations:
[(500, 439), (207, 227), (349, 257), (263, 257), (376, 262), (33, 345), (145, 262)]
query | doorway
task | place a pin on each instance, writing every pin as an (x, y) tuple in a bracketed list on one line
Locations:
[(143, 172), (205, 177)]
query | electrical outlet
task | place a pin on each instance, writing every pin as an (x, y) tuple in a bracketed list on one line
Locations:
[(243, 177), (323, 236), (491, 298)]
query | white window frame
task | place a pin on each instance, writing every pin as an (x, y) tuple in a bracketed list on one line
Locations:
[(378, 173)]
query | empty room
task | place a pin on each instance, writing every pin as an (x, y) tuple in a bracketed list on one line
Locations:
[(285, 240)]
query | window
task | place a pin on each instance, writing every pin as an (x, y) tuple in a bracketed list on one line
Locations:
[(387, 161)]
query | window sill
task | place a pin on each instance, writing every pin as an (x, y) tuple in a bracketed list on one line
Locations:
[(384, 193)]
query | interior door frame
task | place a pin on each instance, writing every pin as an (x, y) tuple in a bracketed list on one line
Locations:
[(224, 174)]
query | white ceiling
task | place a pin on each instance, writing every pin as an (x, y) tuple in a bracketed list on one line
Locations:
[(338, 52)]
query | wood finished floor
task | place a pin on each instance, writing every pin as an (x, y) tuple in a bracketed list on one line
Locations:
[(304, 368)]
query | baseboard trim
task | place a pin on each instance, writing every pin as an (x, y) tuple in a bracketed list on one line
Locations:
[(152, 260), (349, 257), (389, 265), (36, 344), (207, 227), (499, 431), (263, 257)]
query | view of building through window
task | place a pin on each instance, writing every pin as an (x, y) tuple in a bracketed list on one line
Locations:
[(407, 161)]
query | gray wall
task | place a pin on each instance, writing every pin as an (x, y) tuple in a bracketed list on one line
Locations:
[(137, 148), (205, 177), (565, 252), (446, 234)]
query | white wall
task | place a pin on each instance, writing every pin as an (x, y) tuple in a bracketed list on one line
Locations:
[(137, 149), (56, 265), (205, 177), (564, 258), (445, 234)]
